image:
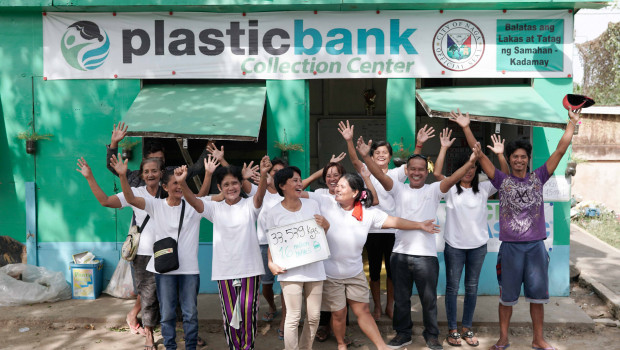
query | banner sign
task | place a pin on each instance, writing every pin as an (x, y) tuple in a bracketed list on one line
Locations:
[(493, 226), (305, 45), (298, 244)]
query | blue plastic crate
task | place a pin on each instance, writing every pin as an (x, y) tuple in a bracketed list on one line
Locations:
[(86, 280)]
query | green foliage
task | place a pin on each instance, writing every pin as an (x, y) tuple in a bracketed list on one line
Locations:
[(287, 146), (601, 66)]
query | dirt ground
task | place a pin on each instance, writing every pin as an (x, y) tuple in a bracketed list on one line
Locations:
[(102, 336)]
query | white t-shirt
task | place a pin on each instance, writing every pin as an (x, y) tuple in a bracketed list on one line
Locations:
[(386, 202), (324, 191), (466, 216), (236, 253), (269, 201), (346, 236), (280, 216), (166, 220), (416, 205), (147, 236)]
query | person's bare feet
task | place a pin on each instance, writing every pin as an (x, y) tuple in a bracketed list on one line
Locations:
[(376, 313), (542, 345), (501, 344)]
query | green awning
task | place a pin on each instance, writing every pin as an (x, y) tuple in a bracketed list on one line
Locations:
[(514, 104), (212, 111)]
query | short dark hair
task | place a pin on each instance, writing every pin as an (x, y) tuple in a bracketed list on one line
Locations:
[(417, 155), (278, 160), (222, 171), (283, 175), (357, 184), (338, 166), (377, 144), (152, 147), (514, 145)]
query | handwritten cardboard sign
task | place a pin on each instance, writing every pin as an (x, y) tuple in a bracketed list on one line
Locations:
[(298, 244), (557, 189)]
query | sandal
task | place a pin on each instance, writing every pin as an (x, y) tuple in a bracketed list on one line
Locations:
[(150, 347), (500, 347), (454, 336), (322, 334), (269, 316), (137, 329), (468, 337), (280, 334), (200, 342)]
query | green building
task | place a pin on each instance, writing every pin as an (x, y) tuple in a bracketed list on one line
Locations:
[(249, 73)]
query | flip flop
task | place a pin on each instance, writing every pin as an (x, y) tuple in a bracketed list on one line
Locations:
[(500, 347), (137, 329), (551, 348), (269, 316), (280, 334)]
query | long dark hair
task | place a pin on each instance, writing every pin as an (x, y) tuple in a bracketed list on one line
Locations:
[(283, 175), (357, 184), (474, 181)]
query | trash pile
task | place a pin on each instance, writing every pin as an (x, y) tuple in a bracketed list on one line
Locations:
[(22, 284), (589, 209)]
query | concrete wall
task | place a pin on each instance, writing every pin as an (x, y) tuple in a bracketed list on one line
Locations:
[(597, 143)]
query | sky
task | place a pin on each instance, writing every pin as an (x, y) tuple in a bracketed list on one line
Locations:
[(589, 24)]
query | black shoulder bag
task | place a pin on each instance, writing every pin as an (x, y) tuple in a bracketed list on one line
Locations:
[(166, 252)]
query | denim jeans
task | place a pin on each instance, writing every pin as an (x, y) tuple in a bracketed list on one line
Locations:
[(455, 259), (183, 288), (424, 272)]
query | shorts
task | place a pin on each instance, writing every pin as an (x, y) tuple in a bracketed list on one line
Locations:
[(337, 291), (268, 277), (523, 263)]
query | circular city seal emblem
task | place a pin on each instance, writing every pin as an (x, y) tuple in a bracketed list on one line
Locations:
[(458, 45)]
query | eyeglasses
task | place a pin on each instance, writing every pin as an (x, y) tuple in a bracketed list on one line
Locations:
[(416, 155)]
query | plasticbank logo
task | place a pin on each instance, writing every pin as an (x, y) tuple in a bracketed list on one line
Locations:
[(458, 45), (85, 46)]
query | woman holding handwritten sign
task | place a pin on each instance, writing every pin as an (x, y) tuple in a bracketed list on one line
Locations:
[(351, 218), (302, 282)]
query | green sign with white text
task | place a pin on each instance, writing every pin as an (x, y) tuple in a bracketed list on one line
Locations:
[(530, 45)]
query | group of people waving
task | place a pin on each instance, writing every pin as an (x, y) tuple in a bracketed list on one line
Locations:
[(373, 207)]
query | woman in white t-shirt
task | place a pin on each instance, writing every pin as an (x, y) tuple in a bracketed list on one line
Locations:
[(299, 283), (351, 218), (172, 218), (237, 264), (151, 171), (380, 242), (466, 237)]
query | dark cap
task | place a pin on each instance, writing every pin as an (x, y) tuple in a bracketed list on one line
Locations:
[(573, 102)]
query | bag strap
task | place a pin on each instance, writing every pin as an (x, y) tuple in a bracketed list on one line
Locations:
[(146, 219), (181, 218)]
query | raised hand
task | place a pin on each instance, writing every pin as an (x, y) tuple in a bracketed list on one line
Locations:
[(427, 132), (574, 116), (118, 134), (498, 144), (119, 166), (363, 148), (337, 159), (211, 163), (247, 171), (476, 152), (217, 153), (444, 138), (83, 168), (265, 165), (256, 178), (430, 227), (180, 173), (459, 118), (346, 130)]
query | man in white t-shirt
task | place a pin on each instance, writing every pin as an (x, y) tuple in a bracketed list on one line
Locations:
[(414, 257)]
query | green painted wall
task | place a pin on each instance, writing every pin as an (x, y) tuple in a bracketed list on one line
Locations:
[(400, 112), (288, 108)]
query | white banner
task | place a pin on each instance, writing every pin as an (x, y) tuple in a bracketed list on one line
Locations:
[(304, 45), (493, 226), (298, 244)]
